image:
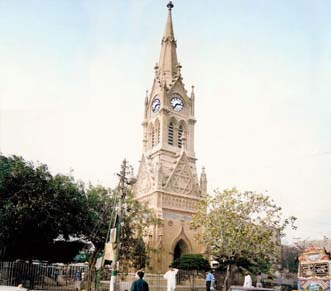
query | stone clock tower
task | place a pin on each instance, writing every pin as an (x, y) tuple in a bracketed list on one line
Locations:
[(167, 177)]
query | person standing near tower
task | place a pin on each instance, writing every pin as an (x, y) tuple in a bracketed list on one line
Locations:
[(140, 284), (259, 280), (170, 276), (210, 280), (248, 280)]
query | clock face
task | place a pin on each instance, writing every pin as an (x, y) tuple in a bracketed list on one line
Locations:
[(177, 103), (156, 104)]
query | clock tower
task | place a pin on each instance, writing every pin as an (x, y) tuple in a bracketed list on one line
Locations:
[(167, 177)]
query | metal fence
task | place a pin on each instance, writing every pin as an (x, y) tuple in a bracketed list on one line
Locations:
[(73, 277), (42, 276)]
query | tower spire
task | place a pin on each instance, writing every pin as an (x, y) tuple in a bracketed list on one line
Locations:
[(203, 181), (168, 63), (169, 29)]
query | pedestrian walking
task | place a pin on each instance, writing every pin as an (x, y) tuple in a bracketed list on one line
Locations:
[(77, 278), (140, 284), (248, 280), (210, 281), (170, 276), (259, 280)]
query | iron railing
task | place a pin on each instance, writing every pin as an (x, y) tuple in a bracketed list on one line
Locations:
[(73, 277)]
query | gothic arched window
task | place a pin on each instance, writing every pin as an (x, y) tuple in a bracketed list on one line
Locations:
[(171, 133), (180, 136)]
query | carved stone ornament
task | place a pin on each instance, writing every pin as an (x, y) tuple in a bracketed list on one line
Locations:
[(143, 185), (181, 180)]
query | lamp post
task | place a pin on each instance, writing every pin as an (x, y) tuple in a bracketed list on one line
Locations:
[(124, 181)]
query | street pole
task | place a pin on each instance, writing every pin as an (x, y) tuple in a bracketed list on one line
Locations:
[(115, 263)]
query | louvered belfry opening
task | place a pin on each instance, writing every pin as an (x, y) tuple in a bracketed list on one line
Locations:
[(180, 136), (171, 134)]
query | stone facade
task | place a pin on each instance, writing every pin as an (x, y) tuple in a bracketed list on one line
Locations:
[(167, 177)]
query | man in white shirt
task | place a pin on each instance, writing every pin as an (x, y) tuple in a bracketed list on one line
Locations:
[(170, 276), (248, 280)]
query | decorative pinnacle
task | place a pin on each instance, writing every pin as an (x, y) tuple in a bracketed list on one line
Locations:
[(170, 5)]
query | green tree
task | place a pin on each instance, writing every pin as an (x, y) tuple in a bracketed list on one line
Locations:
[(137, 220), (35, 208), (240, 228), (193, 263)]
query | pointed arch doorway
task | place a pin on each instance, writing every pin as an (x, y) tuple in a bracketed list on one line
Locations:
[(180, 249)]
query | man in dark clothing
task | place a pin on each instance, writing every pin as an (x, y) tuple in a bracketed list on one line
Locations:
[(140, 284)]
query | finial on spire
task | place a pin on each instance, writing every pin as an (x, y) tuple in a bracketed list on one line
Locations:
[(192, 91), (170, 5), (179, 67), (156, 70)]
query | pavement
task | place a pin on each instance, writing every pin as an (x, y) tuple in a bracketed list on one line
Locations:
[(11, 288)]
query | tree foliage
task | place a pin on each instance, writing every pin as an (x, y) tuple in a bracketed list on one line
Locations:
[(192, 262), (36, 208), (137, 222), (241, 228), (100, 206)]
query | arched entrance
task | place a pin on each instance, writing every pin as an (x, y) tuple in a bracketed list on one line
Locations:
[(180, 249)]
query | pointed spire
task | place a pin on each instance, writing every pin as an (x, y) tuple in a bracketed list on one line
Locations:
[(203, 181), (169, 29), (193, 101), (192, 92), (146, 104), (168, 64), (146, 98)]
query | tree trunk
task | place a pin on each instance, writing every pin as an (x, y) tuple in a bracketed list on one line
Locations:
[(91, 266), (227, 276), (192, 280)]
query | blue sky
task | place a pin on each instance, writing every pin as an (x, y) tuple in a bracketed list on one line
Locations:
[(74, 74)]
